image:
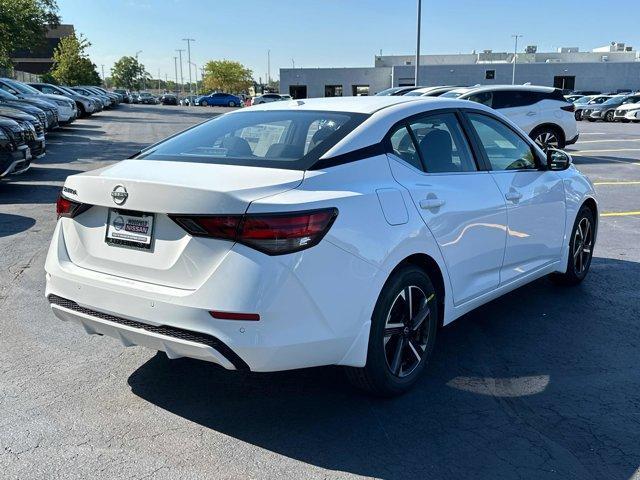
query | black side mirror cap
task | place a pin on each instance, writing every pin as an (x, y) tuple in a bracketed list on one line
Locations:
[(558, 159)]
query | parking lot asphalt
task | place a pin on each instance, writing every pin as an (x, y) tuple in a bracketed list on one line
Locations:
[(542, 383)]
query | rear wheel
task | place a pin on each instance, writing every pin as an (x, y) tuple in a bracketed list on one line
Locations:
[(578, 115), (548, 137), (608, 117), (580, 248), (203, 103), (232, 103), (81, 111), (403, 334)]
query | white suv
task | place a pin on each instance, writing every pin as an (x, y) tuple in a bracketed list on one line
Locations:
[(542, 112), (270, 97)]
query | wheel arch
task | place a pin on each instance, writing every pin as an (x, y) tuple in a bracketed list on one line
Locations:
[(431, 267), (557, 128), (593, 206)]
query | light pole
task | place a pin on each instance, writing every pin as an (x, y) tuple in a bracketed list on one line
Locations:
[(293, 63), (418, 43), (104, 79), (515, 58), (196, 67), (175, 66), (268, 67), (180, 50), (138, 65), (189, 40)]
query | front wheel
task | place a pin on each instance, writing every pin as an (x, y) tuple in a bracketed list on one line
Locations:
[(547, 137), (232, 103), (608, 117), (581, 246), (403, 334), (203, 103)]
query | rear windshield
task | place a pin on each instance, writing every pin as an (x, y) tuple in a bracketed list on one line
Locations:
[(277, 139)]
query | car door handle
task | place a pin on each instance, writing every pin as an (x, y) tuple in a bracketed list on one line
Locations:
[(531, 114), (429, 203), (513, 196)]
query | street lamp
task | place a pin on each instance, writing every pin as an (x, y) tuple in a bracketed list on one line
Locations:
[(180, 50), (189, 40), (515, 58), (139, 69), (196, 67), (419, 15)]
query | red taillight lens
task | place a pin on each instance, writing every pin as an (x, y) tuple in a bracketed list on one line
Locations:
[(69, 208), (274, 234), (569, 108)]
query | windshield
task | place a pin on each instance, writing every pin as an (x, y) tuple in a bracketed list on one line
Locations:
[(583, 100), (276, 139), (389, 91), (21, 87), (613, 101), (7, 96), (453, 94), (631, 100), (415, 93), (68, 90)]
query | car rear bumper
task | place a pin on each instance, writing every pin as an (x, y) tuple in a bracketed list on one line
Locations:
[(307, 318)]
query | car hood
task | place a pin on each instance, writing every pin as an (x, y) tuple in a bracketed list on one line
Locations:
[(55, 97), (16, 114), (629, 106)]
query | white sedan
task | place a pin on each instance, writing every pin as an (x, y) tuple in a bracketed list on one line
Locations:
[(339, 231)]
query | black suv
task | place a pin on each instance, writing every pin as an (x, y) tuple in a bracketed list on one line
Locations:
[(15, 156)]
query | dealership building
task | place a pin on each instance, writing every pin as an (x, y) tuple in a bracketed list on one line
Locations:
[(610, 68)]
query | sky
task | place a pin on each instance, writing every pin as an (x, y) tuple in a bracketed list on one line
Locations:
[(332, 33)]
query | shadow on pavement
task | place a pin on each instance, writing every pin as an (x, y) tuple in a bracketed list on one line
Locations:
[(12, 224), (542, 383)]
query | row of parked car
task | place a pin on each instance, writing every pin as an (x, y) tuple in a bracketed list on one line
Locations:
[(607, 107), (29, 110), (542, 112)]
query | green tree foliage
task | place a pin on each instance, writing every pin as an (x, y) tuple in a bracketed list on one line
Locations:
[(226, 76), (23, 24), (129, 73), (72, 65)]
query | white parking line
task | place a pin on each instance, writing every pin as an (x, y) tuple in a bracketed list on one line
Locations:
[(604, 159), (607, 150), (610, 140)]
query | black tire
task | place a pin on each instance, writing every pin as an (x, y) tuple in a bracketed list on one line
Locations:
[(81, 111), (548, 137), (232, 104), (608, 117), (625, 120), (578, 115), (408, 337), (578, 263), (203, 103), (591, 119)]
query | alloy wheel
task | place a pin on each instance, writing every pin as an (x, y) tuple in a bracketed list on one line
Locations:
[(406, 331), (547, 139), (582, 246), (609, 116)]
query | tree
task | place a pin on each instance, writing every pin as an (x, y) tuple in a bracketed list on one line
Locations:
[(129, 73), (72, 65), (23, 25), (227, 76)]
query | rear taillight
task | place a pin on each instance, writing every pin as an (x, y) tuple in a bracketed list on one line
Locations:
[(569, 108), (271, 233), (69, 208)]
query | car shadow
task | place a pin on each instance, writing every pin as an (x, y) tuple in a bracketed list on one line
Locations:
[(541, 383), (12, 224)]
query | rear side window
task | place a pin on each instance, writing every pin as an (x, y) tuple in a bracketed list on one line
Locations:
[(277, 139), (403, 146), (514, 98)]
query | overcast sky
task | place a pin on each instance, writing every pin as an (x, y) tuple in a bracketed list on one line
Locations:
[(334, 33)]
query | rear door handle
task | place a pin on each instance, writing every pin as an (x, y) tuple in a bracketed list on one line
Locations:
[(429, 203), (513, 196)]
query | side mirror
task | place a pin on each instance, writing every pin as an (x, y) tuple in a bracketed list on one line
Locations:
[(558, 159)]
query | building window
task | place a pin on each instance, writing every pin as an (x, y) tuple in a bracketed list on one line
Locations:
[(333, 90), (407, 62), (360, 90), (298, 91), (489, 74)]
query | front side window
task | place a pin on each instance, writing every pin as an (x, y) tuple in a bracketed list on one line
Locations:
[(504, 148), (277, 139)]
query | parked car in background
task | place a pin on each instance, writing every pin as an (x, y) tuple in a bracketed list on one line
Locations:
[(333, 231), (34, 130), (169, 99), (542, 112), (116, 97), (147, 98), (586, 101), (629, 111), (6, 99), (15, 156), (96, 102), (84, 104), (572, 98), (219, 99), (66, 108), (102, 98), (605, 111), (126, 95), (393, 91), (429, 91), (269, 97), (189, 100), (630, 104), (586, 92)]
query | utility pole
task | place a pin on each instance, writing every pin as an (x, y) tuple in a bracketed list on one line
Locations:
[(515, 58), (293, 63), (175, 66), (138, 65), (180, 50), (104, 79), (268, 67), (196, 68), (189, 40), (158, 80), (417, 81)]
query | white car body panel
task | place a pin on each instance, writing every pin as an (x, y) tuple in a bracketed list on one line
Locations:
[(315, 305)]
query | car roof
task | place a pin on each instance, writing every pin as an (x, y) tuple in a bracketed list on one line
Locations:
[(529, 88), (367, 105)]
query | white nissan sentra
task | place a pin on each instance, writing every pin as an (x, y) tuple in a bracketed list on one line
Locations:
[(339, 231)]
